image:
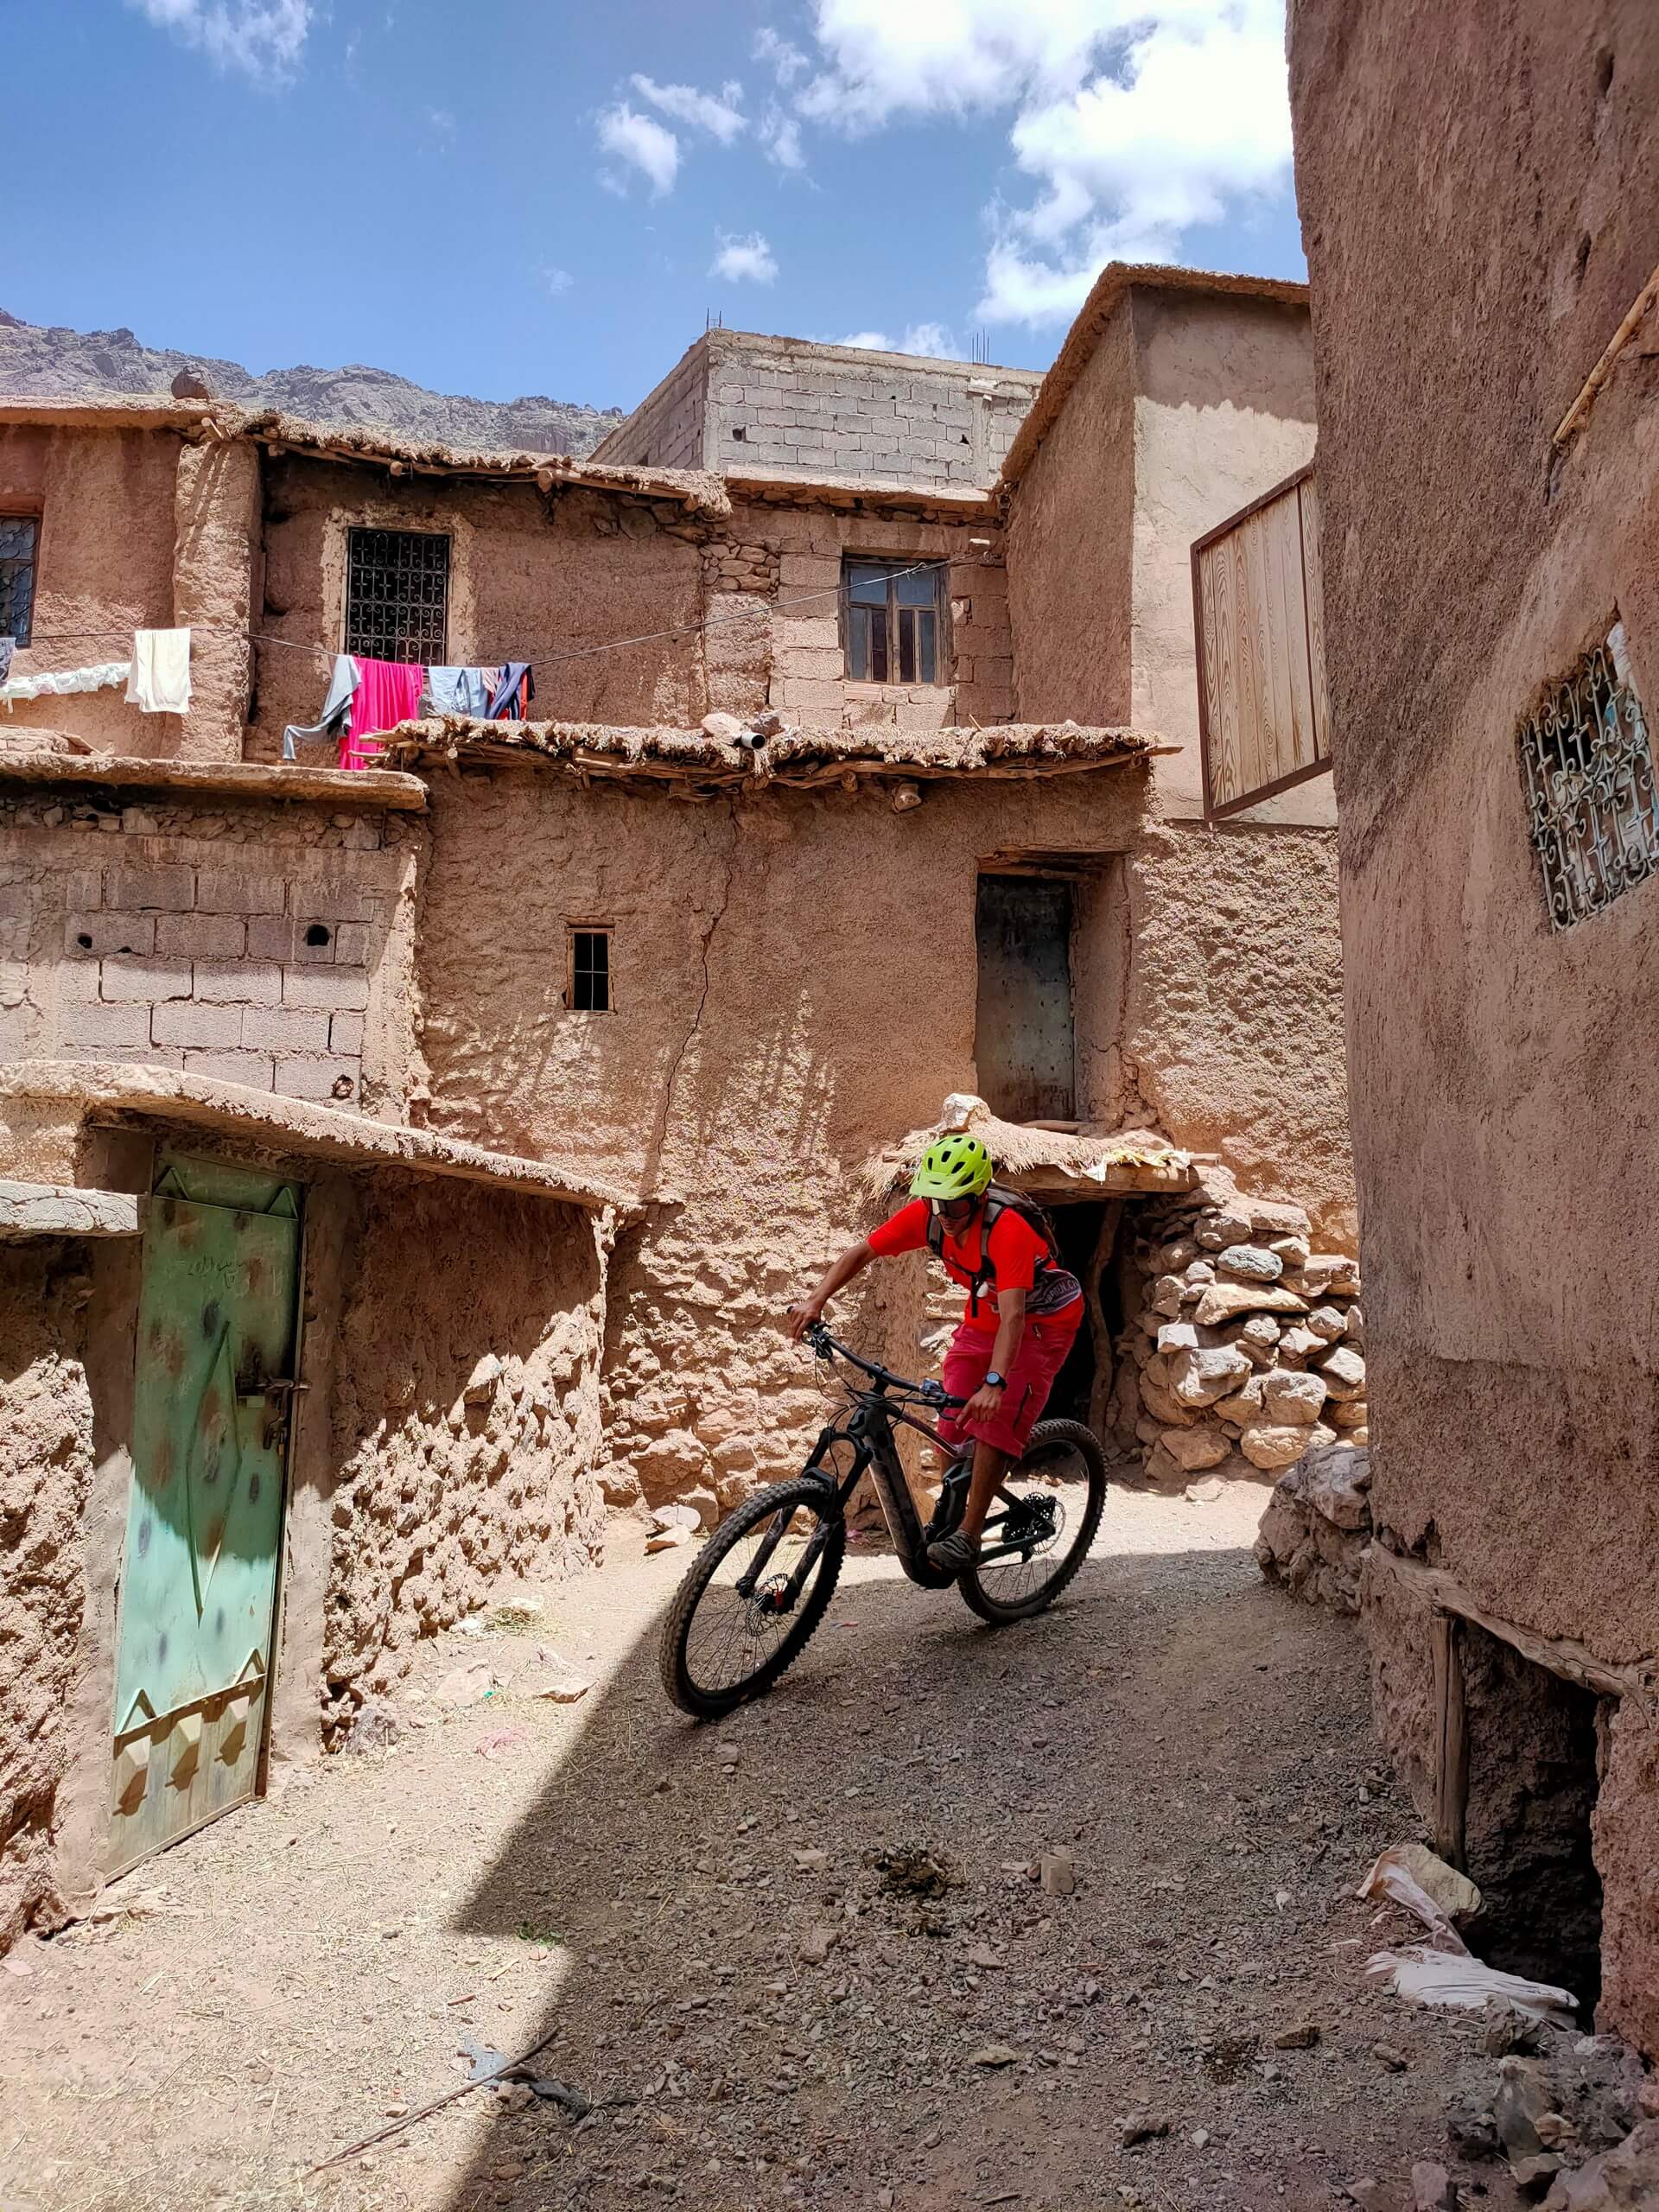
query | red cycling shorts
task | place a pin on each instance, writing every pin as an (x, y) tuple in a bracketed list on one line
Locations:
[(1038, 1360)]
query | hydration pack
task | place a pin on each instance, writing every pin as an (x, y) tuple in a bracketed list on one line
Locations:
[(999, 1201)]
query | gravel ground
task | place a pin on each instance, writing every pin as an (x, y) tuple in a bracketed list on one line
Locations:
[(654, 1896)]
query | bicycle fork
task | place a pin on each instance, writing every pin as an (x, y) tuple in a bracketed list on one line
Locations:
[(786, 1600)]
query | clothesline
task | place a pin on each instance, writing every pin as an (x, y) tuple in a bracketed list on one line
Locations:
[(541, 653)]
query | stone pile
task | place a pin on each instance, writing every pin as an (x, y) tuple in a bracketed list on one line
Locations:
[(1318, 1523), (1247, 1346)]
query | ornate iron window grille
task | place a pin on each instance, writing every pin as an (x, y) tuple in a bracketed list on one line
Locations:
[(1587, 768), (397, 596), (18, 537)]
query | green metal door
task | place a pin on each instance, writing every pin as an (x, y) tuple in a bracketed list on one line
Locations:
[(213, 1389)]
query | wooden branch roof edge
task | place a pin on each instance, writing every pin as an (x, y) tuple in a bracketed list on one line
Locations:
[(797, 757)]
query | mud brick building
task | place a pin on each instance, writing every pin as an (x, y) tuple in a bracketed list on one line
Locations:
[(1485, 338), (404, 1168)]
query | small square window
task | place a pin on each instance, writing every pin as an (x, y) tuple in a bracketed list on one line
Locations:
[(19, 538), (1586, 770), (589, 987), (892, 620)]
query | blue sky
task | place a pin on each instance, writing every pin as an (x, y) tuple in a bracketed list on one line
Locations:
[(513, 196)]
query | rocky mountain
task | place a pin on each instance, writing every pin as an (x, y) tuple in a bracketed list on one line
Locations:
[(36, 363)]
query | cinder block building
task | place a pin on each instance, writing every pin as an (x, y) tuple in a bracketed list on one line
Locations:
[(857, 776)]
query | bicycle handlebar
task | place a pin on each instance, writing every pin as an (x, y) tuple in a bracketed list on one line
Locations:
[(828, 1347)]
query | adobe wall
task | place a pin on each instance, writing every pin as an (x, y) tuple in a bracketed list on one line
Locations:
[(46, 1472), (103, 568), (464, 1421), (261, 943), (1503, 1074), (795, 979), (533, 576)]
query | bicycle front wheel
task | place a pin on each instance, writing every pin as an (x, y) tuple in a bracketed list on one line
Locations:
[(1042, 1519), (753, 1597)]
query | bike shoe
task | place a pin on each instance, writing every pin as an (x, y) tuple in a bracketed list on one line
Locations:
[(952, 1555)]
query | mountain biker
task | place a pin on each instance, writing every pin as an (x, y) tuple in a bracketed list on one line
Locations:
[(1023, 1311)]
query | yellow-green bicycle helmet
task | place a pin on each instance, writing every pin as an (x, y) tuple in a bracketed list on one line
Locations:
[(952, 1167)]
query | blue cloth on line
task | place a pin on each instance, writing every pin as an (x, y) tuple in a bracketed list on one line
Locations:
[(506, 706), (336, 709), (457, 691)]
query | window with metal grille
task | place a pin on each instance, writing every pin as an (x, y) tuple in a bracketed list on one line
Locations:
[(397, 596), (19, 536), (1587, 768), (590, 988), (892, 621)]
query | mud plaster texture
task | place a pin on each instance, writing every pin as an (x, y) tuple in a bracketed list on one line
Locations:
[(261, 944), (1187, 409), (46, 1472), (794, 980), (734, 613), (465, 1421), (1502, 1073)]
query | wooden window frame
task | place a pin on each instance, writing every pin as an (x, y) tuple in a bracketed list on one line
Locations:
[(573, 930), (20, 511), (943, 659)]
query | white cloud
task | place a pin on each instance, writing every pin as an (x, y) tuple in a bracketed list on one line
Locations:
[(264, 39), (781, 137), (720, 114), (442, 121), (744, 261), (929, 339), (1136, 120), (786, 60), (645, 144), (558, 281)]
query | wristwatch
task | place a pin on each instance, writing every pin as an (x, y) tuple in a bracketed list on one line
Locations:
[(995, 1382)]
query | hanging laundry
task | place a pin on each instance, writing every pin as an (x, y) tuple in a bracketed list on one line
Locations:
[(8, 647), (336, 709), (388, 692), (460, 690), (514, 693), (55, 682), (159, 682)]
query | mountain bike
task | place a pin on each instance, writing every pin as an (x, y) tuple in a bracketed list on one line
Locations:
[(756, 1592)]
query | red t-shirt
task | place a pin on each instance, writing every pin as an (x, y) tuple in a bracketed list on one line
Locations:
[(1015, 1249)]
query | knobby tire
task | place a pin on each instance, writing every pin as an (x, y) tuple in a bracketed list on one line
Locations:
[(1087, 1444), (710, 1705)]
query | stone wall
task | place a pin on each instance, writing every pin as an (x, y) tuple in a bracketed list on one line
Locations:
[(46, 1473), (261, 944), (464, 1416)]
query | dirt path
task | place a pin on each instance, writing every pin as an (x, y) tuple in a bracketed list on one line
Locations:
[(1199, 1743)]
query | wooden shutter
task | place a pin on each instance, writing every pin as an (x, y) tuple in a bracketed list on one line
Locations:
[(1258, 612)]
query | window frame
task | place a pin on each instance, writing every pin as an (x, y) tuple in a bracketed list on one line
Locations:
[(21, 512), (427, 657), (943, 659), (573, 931)]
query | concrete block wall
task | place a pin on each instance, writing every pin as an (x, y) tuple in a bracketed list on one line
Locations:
[(748, 405), (135, 934)]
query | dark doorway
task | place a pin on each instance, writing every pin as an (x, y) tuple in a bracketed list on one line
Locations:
[(1086, 1232), (1024, 1042)]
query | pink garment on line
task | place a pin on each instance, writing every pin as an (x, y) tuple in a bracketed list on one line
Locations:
[(388, 692)]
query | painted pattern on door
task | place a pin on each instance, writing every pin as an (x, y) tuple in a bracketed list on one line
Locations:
[(212, 1396)]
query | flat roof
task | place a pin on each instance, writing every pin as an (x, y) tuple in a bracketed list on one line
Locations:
[(365, 789)]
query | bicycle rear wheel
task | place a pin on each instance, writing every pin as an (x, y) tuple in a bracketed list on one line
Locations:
[(753, 1597), (1049, 1505)]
